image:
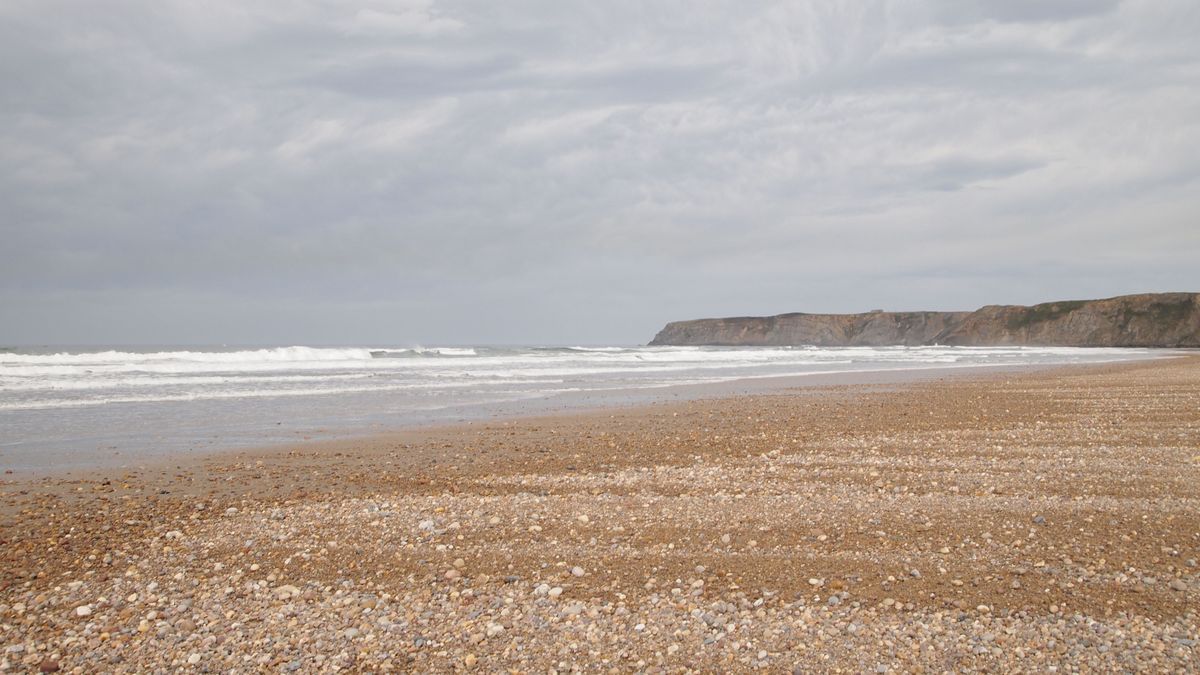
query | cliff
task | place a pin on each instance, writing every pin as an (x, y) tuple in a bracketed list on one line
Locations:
[(1147, 320)]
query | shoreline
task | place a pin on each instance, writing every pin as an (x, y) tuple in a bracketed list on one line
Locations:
[(1043, 518), (561, 403)]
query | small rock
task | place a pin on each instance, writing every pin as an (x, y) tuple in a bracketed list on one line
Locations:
[(577, 571), (83, 610), (48, 666), (1177, 585), (193, 659), (1039, 520)]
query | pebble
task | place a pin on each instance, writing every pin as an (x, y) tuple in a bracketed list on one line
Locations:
[(83, 610), (381, 595)]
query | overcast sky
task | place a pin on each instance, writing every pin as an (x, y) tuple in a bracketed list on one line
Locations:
[(421, 172)]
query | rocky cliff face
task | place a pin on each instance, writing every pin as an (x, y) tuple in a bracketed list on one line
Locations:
[(1148, 320)]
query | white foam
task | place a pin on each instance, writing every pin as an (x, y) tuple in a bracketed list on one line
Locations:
[(282, 354), (66, 380), (447, 351), (211, 395)]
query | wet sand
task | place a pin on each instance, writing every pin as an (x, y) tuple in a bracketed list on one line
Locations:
[(152, 441), (1000, 521)]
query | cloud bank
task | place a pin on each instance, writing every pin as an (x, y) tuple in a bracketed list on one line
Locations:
[(557, 172)]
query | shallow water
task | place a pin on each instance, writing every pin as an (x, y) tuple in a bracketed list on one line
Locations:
[(61, 407)]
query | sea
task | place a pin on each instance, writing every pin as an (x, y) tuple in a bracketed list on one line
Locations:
[(69, 407)]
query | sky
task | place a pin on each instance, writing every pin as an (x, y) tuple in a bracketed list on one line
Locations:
[(560, 172)]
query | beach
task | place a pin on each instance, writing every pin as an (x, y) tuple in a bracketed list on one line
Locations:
[(84, 407), (1000, 521)]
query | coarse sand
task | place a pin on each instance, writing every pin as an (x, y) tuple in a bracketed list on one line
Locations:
[(1002, 522)]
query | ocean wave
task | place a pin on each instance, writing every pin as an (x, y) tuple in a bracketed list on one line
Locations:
[(69, 384), (277, 354), (66, 379), (602, 350), (480, 386), (410, 352)]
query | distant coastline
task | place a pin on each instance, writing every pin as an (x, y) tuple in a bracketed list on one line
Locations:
[(1170, 320)]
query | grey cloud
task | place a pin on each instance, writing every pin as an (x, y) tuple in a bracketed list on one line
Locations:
[(958, 173), (409, 78), (1024, 10)]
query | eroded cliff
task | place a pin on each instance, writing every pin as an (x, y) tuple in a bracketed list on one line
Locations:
[(1146, 320)]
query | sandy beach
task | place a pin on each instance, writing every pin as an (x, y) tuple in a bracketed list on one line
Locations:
[(1001, 521)]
